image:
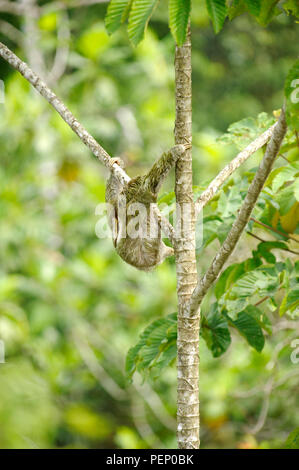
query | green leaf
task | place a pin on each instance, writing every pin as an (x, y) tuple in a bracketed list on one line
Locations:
[(249, 328), (237, 7), (230, 204), (268, 10), (292, 441), (292, 6), (284, 174), (155, 348), (230, 275), (179, 13), (241, 133), (253, 6), (217, 10), (286, 199), (139, 17), (215, 332), (115, 15)]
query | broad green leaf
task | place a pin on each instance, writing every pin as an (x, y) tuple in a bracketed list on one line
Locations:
[(259, 282), (115, 14), (290, 302), (260, 317), (264, 250), (132, 356), (215, 332), (217, 10), (179, 13), (139, 17), (236, 8), (249, 328), (167, 198), (292, 441)]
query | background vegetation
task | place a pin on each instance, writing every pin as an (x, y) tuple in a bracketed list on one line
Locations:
[(69, 307)]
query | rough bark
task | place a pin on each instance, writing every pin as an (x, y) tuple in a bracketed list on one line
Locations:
[(243, 216), (188, 328)]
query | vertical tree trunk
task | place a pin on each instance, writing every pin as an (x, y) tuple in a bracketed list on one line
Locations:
[(188, 328)]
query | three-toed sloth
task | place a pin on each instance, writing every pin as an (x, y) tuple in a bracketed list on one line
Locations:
[(138, 238)]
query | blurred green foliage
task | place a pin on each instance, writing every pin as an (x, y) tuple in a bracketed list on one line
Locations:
[(70, 309)]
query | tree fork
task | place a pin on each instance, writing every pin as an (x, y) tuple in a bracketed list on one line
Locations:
[(188, 328)]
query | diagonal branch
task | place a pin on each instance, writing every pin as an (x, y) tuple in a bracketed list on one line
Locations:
[(269, 227), (243, 216), (64, 112), (232, 166), (81, 132)]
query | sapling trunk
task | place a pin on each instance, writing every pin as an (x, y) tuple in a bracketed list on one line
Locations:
[(188, 328)]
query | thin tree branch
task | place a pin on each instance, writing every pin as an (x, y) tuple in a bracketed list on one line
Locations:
[(243, 216), (262, 300), (286, 325), (269, 241), (213, 187)]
